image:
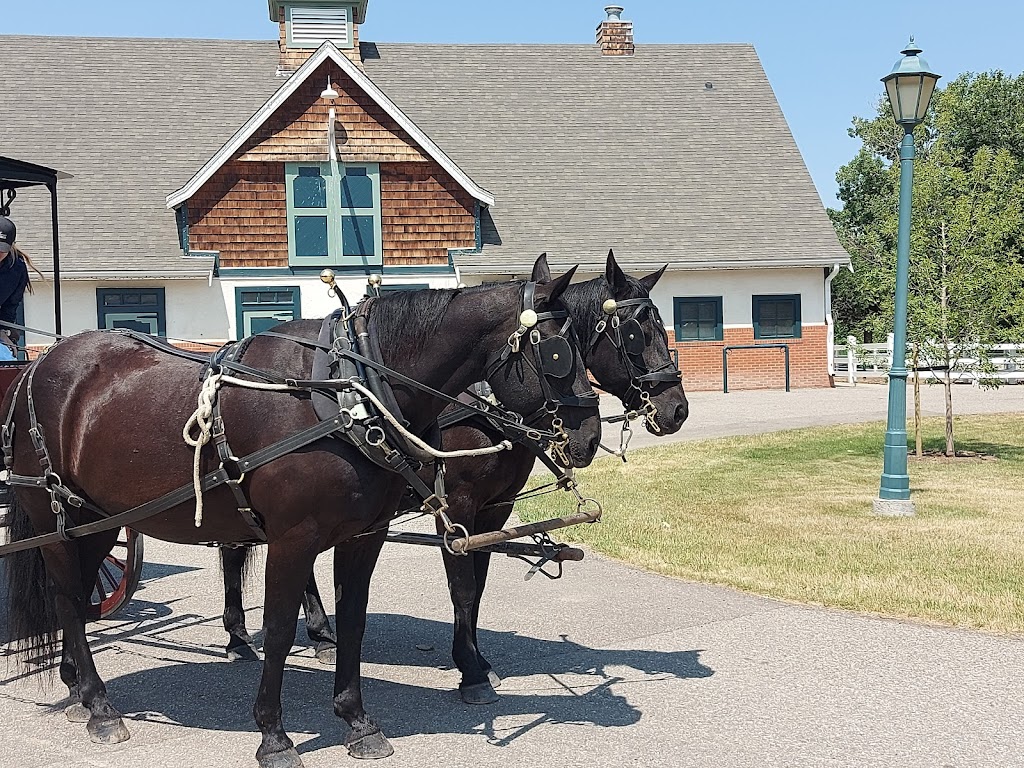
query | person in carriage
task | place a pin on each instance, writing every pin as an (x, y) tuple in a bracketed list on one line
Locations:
[(14, 281)]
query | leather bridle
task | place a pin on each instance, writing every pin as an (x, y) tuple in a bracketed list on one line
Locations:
[(627, 336), (553, 358)]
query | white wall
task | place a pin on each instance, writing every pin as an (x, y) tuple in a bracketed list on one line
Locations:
[(196, 310), (735, 286), (199, 311)]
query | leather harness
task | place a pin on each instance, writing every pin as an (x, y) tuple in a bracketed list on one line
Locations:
[(352, 354)]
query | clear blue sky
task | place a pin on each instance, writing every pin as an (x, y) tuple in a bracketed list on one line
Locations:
[(823, 57)]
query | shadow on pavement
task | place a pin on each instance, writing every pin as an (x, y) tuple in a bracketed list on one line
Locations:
[(392, 639), (566, 683)]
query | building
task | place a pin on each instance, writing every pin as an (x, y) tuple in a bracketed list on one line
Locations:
[(215, 179)]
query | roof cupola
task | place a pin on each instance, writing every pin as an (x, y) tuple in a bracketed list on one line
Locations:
[(306, 24)]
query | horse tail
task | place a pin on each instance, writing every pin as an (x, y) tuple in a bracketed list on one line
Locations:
[(250, 566), (32, 614)]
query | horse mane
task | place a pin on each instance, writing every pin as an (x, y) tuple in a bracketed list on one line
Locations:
[(584, 300), (408, 319)]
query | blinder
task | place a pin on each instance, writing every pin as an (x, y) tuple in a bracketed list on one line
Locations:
[(556, 357), (633, 340)]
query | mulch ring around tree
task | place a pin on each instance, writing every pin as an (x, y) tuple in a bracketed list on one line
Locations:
[(940, 456)]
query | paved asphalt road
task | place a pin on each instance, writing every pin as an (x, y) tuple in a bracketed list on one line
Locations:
[(610, 666)]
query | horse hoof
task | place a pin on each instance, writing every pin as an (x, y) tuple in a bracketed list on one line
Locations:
[(493, 679), (371, 747), (327, 654), (481, 693), (289, 758), (242, 653), (78, 713), (107, 731)]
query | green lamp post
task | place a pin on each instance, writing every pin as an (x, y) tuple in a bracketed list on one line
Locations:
[(909, 86)]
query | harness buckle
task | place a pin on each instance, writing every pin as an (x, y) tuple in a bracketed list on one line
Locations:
[(375, 441), (437, 506), (232, 468)]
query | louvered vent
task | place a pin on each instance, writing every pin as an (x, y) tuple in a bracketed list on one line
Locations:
[(312, 26)]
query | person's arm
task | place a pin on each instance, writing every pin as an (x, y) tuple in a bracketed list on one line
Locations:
[(9, 309)]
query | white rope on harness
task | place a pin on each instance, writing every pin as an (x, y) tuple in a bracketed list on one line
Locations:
[(504, 445), (202, 419)]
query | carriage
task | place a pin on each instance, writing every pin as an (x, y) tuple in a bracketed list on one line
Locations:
[(120, 573)]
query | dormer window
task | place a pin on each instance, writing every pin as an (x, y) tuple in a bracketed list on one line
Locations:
[(310, 25)]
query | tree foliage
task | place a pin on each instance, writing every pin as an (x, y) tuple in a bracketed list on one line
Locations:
[(967, 238)]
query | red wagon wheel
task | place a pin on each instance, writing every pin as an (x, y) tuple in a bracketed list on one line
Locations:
[(118, 576)]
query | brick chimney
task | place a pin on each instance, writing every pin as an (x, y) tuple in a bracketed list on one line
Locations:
[(614, 35), (305, 24)]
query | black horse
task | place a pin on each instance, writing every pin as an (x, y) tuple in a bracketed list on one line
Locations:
[(482, 489), (111, 409)]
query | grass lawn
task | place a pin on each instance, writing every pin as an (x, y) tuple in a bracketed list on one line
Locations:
[(788, 515)]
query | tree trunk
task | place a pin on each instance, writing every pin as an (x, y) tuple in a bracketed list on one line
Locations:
[(917, 404), (947, 384), (947, 345)]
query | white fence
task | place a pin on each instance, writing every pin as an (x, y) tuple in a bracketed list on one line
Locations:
[(854, 361)]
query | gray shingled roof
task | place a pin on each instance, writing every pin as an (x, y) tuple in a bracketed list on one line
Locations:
[(582, 152), (132, 120)]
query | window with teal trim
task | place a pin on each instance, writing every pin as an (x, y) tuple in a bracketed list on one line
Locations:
[(137, 309), (777, 317), (698, 318), (258, 309), (333, 220)]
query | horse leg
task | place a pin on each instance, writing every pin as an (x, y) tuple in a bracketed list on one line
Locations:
[(73, 567), (289, 563), (353, 565), (481, 563), (240, 645), (489, 518), (76, 711), (475, 688), (318, 626)]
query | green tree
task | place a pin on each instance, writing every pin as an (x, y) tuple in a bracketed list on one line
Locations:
[(967, 268), (965, 282)]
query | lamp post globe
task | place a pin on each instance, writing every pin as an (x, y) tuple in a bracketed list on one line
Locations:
[(909, 87)]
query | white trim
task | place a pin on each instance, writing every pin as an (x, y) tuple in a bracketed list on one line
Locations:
[(110, 274), (325, 51), (499, 266)]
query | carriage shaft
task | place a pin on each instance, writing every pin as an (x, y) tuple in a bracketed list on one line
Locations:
[(510, 548)]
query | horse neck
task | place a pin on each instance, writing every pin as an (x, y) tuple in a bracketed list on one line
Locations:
[(451, 360)]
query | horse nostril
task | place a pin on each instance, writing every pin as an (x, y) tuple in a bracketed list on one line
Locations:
[(595, 442), (682, 412)]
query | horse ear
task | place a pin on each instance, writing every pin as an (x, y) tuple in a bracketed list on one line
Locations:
[(553, 289), (615, 276), (541, 270), (652, 279)]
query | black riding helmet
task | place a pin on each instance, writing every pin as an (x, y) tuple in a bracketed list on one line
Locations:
[(8, 233)]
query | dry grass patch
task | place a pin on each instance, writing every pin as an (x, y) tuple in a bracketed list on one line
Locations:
[(788, 515)]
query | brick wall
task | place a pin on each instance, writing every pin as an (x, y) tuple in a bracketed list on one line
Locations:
[(701, 361), (616, 38)]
